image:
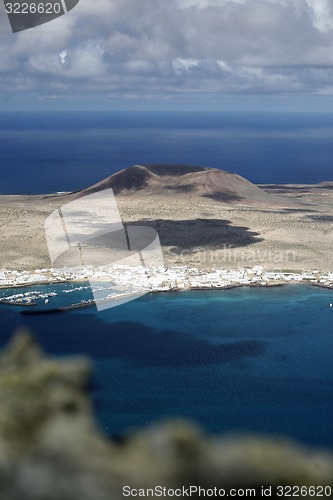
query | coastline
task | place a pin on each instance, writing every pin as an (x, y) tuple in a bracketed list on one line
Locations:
[(126, 282)]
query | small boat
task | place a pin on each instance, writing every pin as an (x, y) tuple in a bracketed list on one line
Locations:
[(17, 303)]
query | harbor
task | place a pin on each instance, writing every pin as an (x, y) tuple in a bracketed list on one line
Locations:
[(123, 283)]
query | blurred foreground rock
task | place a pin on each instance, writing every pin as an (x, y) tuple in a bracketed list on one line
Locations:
[(51, 449)]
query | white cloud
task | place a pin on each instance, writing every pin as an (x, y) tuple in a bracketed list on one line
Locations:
[(63, 56), (180, 65), (179, 46), (322, 14), (202, 4)]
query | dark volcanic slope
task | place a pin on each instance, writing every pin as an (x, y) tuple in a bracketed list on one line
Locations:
[(185, 181)]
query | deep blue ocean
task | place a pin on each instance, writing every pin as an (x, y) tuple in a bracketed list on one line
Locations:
[(56, 151), (241, 360), (249, 360)]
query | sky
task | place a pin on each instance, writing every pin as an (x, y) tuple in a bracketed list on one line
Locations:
[(240, 55)]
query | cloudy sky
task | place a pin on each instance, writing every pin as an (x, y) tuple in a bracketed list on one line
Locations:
[(173, 54)]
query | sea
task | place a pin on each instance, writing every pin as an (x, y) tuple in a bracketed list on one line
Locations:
[(245, 360), (240, 361), (46, 152)]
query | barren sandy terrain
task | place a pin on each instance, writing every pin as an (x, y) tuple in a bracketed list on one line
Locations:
[(197, 231)]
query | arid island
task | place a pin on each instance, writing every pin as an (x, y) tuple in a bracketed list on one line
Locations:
[(206, 219)]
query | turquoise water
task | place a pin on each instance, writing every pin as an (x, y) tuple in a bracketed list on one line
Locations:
[(249, 360)]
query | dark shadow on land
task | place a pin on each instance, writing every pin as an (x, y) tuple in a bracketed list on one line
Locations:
[(223, 196), (282, 211), (209, 233), (173, 169), (287, 191), (296, 210), (285, 211), (184, 188), (321, 218), (284, 188)]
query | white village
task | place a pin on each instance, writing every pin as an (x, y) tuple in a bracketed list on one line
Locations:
[(125, 281)]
